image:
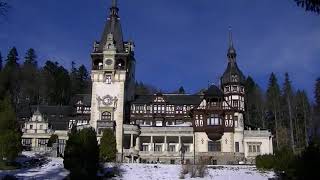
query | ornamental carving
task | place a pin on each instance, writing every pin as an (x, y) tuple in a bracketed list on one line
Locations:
[(107, 101)]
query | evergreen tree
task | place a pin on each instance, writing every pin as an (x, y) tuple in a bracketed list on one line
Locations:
[(10, 79), (288, 97), (273, 105), (10, 137), (316, 109), (81, 156), (254, 104), (30, 78), (80, 81), (1, 62), (317, 93), (108, 147), (53, 139), (85, 82), (56, 81), (302, 119)]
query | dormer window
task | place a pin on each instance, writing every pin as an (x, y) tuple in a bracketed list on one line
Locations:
[(234, 88), (234, 78), (108, 79)]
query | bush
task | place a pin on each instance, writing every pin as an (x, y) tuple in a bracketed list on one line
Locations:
[(306, 166), (108, 148), (53, 139), (81, 155), (266, 162)]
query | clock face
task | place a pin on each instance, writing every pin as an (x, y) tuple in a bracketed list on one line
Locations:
[(107, 100), (109, 62)]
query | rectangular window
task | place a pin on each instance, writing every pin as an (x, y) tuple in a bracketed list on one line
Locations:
[(108, 79), (158, 123), (258, 148), (254, 149), (145, 147), (250, 148), (234, 88), (235, 103), (31, 126), (41, 126), (237, 146), (158, 148), (172, 148), (179, 122), (214, 146)]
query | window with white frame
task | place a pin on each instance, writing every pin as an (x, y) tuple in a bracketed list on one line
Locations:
[(106, 116), (172, 148), (158, 148), (108, 79), (179, 109), (214, 120), (145, 147), (254, 148)]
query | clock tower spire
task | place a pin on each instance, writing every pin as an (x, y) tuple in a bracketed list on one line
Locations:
[(113, 68)]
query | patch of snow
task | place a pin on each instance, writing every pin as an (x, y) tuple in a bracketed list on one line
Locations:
[(51, 169), (160, 171)]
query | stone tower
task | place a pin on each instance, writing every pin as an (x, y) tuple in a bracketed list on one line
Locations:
[(232, 84), (113, 78)]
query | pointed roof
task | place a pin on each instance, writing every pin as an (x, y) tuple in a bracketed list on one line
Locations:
[(113, 26), (213, 91), (232, 68)]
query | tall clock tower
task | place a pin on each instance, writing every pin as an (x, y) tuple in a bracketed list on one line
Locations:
[(232, 84), (113, 71)]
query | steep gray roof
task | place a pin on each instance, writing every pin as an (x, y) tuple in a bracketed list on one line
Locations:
[(175, 99), (232, 69), (113, 26), (213, 91)]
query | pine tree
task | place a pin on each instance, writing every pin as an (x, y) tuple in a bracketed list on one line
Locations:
[(108, 147), (287, 97), (10, 137), (30, 77), (254, 104), (273, 105), (302, 118), (316, 109), (85, 82), (11, 76), (56, 82), (81, 155), (317, 93), (1, 62)]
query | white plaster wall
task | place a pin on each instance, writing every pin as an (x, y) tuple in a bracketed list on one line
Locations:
[(201, 147), (227, 142), (115, 89), (265, 148)]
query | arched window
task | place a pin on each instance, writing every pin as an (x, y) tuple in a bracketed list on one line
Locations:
[(106, 116)]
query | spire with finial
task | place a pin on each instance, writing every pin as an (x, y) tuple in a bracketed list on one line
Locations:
[(231, 51), (114, 8)]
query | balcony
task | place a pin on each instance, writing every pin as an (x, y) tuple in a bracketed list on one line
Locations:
[(130, 152), (105, 124)]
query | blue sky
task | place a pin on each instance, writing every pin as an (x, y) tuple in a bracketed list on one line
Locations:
[(177, 42)]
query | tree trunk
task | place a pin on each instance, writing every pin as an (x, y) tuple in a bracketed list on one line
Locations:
[(291, 124), (305, 124), (276, 127)]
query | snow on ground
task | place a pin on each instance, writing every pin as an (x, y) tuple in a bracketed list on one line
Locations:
[(52, 168), (160, 171)]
